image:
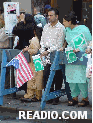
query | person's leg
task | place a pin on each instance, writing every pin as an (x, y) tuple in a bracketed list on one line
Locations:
[(30, 89), (38, 94), (84, 91), (58, 79), (74, 93), (67, 88), (30, 93), (46, 74), (68, 91)]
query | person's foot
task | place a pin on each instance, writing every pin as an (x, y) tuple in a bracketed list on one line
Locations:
[(83, 103), (25, 100), (34, 99), (49, 101), (55, 101), (72, 102)]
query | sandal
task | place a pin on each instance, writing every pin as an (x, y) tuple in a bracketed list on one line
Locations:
[(83, 103), (72, 102), (34, 99), (25, 100)]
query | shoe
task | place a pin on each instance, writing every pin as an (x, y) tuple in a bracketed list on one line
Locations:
[(34, 99), (55, 101), (72, 102), (49, 101), (83, 103), (25, 100)]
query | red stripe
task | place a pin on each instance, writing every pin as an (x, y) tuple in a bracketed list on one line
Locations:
[(18, 85), (23, 62), (22, 76), (20, 80), (26, 62), (19, 72), (22, 70)]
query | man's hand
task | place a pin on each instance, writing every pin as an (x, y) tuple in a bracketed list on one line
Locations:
[(45, 53), (77, 50)]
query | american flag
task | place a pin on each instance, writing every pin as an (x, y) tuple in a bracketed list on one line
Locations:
[(23, 70)]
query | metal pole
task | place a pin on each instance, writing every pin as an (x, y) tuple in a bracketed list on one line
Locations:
[(12, 80)]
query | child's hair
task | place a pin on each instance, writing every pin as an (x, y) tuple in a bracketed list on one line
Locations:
[(38, 32)]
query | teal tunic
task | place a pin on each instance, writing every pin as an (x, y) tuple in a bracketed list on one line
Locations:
[(77, 73)]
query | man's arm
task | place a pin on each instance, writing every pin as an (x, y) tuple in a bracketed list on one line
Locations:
[(42, 49), (64, 45)]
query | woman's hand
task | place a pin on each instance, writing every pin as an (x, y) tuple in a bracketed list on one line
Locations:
[(76, 50), (88, 51), (32, 51)]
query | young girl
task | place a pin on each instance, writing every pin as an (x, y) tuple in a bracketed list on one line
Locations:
[(34, 86)]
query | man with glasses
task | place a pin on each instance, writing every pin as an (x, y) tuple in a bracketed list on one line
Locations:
[(53, 39)]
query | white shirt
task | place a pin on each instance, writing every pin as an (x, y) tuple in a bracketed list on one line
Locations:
[(52, 37)]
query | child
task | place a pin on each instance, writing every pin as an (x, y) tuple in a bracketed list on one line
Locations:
[(34, 86)]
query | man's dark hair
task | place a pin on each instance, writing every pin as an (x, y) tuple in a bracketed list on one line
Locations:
[(55, 10), (71, 17)]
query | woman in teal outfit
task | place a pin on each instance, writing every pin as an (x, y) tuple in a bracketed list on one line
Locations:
[(76, 74)]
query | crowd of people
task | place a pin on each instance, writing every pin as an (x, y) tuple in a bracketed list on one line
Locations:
[(45, 34)]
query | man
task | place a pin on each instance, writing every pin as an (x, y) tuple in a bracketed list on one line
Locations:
[(52, 39), (39, 19)]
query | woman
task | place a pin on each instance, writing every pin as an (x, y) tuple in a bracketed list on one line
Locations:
[(76, 74), (34, 86), (24, 30)]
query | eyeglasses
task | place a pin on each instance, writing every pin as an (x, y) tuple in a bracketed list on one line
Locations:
[(22, 12), (50, 15)]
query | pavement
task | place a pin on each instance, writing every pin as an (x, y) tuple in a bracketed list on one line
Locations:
[(12, 106)]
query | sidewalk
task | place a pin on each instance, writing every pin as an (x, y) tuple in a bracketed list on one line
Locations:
[(16, 105)]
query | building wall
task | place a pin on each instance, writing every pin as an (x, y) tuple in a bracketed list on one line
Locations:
[(64, 6), (24, 4)]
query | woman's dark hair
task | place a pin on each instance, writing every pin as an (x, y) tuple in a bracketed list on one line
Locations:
[(29, 18), (71, 17), (30, 22), (38, 32), (55, 10)]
